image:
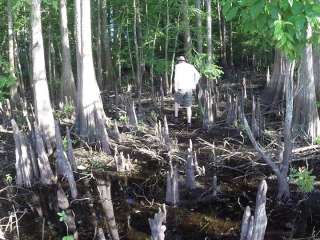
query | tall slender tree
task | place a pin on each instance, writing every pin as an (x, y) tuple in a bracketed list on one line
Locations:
[(166, 49), (90, 113), (186, 28), (231, 45), (222, 34), (137, 49), (14, 88), (209, 31), (68, 85), (42, 104), (106, 46), (199, 27)]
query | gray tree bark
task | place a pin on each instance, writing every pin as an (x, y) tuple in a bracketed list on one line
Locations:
[(222, 35), (14, 88), (106, 45), (281, 171), (231, 45), (68, 85), (273, 93), (199, 27), (46, 174), (42, 104), (24, 172), (166, 75), (104, 188), (90, 111), (306, 118), (137, 50), (99, 53), (253, 227), (316, 69), (157, 229), (63, 165), (209, 31), (186, 27)]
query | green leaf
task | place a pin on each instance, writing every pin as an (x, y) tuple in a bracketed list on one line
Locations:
[(62, 216), (232, 13), (257, 9), (69, 237), (297, 8), (316, 9)]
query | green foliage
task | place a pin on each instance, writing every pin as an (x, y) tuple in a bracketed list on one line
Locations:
[(69, 237), (6, 80), (317, 141), (123, 118), (65, 143), (8, 179), (62, 216), (303, 178), (68, 109), (66, 112), (210, 71), (285, 21), (5, 83)]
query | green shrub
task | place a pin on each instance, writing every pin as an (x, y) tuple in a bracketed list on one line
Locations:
[(66, 112), (6, 82), (303, 178), (210, 71)]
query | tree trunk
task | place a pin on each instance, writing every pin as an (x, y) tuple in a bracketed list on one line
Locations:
[(283, 186), (14, 88), (231, 46), (306, 118), (153, 54), (137, 51), (106, 46), (18, 65), (98, 44), (274, 92), (186, 27), (278, 170), (316, 69), (174, 52), (166, 77), (68, 85), (90, 111), (77, 20), (49, 65), (209, 31), (43, 110), (222, 35), (199, 27), (225, 41), (220, 29), (133, 72), (119, 64)]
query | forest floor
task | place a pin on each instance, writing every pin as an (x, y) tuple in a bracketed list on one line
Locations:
[(138, 194)]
